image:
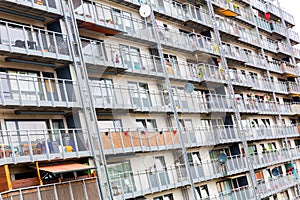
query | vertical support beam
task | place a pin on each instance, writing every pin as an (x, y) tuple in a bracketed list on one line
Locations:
[(173, 104), (232, 94), (7, 176), (38, 172)]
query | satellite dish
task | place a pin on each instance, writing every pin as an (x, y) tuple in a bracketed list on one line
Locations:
[(149, 161), (189, 88), (145, 10), (222, 158), (275, 171)]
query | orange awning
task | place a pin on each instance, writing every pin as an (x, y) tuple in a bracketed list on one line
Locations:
[(63, 168)]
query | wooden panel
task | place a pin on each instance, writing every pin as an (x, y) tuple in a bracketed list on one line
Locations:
[(25, 182), (134, 139), (3, 180)]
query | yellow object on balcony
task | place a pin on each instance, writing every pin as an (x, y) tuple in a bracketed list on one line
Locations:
[(68, 148), (39, 2)]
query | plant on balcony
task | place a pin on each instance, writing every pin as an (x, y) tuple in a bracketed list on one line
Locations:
[(109, 21)]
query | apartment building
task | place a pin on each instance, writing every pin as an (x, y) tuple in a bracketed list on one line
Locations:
[(198, 100)]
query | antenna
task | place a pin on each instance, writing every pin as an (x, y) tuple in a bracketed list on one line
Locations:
[(145, 10)]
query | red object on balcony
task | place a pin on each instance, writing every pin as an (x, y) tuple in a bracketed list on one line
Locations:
[(126, 132), (267, 16), (174, 131)]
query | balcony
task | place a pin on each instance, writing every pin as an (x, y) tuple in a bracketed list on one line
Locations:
[(249, 37), (246, 17), (20, 40), (41, 8), (255, 60), (100, 57), (264, 188), (263, 24), (284, 48), (274, 66), (271, 8), (294, 89), (120, 97), (197, 16), (226, 8), (131, 184), (201, 44), (280, 87), (25, 90), (288, 69), (126, 140), (262, 84), (169, 9), (270, 132), (100, 18), (260, 5), (294, 36), (296, 108), (269, 45), (239, 79), (234, 53), (80, 188), (34, 145), (288, 17), (228, 27), (278, 28)]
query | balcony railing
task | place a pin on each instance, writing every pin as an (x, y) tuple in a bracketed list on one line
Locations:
[(82, 188), (124, 140), (293, 88), (270, 7), (26, 90), (130, 184), (284, 48), (246, 16), (50, 6), (288, 68), (228, 6), (270, 132), (259, 5), (278, 28), (293, 35), (256, 60), (249, 37), (288, 17), (269, 44), (34, 145), (263, 24), (25, 40), (234, 52), (170, 8), (198, 14), (204, 44), (274, 66), (228, 26), (265, 188)]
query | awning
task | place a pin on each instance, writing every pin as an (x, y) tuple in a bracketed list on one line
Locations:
[(63, 168)]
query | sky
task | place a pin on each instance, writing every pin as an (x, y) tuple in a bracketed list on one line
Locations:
[(292, 6)]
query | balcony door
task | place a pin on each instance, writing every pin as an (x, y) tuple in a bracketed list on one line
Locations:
[(131, 57), (24, 85), (21, 133), (188, 131), (50, 87), (159, 175), (140, 94), (195, 165), (103, 91)]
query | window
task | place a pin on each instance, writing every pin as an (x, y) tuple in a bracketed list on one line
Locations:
[(140, 95), (186, 124), (113, 124), (202, 192), (224, 186), (103, 91), (165, 197), (214, 154), (26, 82), (159, 176), (149, 124), (131, 57), (121, 177)]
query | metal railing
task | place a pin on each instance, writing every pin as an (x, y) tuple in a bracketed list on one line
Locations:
[(30, 145), (124, 140), (288, 68), (16, 38), (263, 24), (82, 188), (29, 90), (294, 88), (246, 16), (51, 6), (198, 14)]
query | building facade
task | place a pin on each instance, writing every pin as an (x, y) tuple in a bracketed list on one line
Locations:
[(197, 100)]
